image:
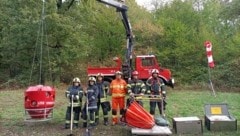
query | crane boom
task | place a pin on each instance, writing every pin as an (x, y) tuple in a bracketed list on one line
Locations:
[(122, 9)]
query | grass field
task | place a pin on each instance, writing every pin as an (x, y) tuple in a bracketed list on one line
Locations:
[(180, 103)]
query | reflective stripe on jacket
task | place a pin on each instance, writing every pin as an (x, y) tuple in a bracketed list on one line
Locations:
[(92, 94), (136, 87), (77, 92), (103, 88), (118, 88), (155, 85)]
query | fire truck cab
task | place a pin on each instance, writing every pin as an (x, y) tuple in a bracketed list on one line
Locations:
[(144, 64)]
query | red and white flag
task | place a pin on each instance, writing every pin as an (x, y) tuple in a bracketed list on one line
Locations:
[(208, 46)]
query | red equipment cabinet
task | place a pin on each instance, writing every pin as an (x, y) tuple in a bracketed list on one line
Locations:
[(39, 102)]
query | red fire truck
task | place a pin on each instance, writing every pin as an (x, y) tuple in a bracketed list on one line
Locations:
[(143, 63)]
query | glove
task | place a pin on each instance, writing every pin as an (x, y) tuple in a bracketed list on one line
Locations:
[(75, 97), (164, 94), (131, 94), (151, 96)]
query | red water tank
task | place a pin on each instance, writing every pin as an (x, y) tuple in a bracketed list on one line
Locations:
[(39, 101)]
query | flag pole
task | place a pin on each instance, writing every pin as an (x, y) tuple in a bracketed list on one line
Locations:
[(208, 46), (210, 82)]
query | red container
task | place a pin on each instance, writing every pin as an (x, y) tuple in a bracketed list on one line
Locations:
[(39, 101), (137, 116)]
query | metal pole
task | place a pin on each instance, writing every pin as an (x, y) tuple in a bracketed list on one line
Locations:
[(210, 82), (71, 125)]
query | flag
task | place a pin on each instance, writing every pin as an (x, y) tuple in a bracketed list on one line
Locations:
[(208, 46)]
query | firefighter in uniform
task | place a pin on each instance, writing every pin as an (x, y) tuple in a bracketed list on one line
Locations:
[(74, 92), (103, 88), (91, 94), (118, 89), (136, 87), (156, 89)]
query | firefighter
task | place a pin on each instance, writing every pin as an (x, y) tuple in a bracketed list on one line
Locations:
[(103, 88), (156, 89), (136, 87), (91, 103), (118, 89), (74, 92)]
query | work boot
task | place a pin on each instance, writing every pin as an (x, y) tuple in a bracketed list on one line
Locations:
[(67, 126), (121, 124), (122, 120), (96, 121), (92, 125), (84, 124), (114, 123), (75, 125), (105, 121)]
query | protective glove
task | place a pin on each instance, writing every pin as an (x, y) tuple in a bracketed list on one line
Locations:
[(131, 94), (151, 96), (75, 97), (164, 94)]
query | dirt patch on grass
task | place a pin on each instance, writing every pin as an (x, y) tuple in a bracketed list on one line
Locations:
[(56, 129), (12, 119)]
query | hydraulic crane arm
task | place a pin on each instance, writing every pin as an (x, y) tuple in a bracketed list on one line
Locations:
[(122, 8)]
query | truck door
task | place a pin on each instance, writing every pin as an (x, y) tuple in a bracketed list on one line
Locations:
[(145, 66)]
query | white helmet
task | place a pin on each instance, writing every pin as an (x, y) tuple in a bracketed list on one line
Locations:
[(76, 80), (100, 75), (155, 71), (92, 79), (118, 73)]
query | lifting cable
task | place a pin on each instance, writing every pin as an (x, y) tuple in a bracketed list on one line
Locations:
[(41, 29)]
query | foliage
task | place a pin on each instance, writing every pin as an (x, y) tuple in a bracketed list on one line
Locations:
[(227, 74), (186, 27)]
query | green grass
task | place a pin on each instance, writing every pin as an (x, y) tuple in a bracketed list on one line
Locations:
[(180, 104), (191, 103)]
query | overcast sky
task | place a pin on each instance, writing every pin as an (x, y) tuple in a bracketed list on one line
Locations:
[(143, 2), (147, 3)]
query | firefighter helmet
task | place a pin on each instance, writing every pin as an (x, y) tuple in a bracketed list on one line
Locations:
[(100, 75), (135, 73), (155, 71), (118, 73), (76, 80), (92, 79)]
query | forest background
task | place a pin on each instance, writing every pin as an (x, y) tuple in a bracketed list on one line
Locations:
[(70, 35)]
